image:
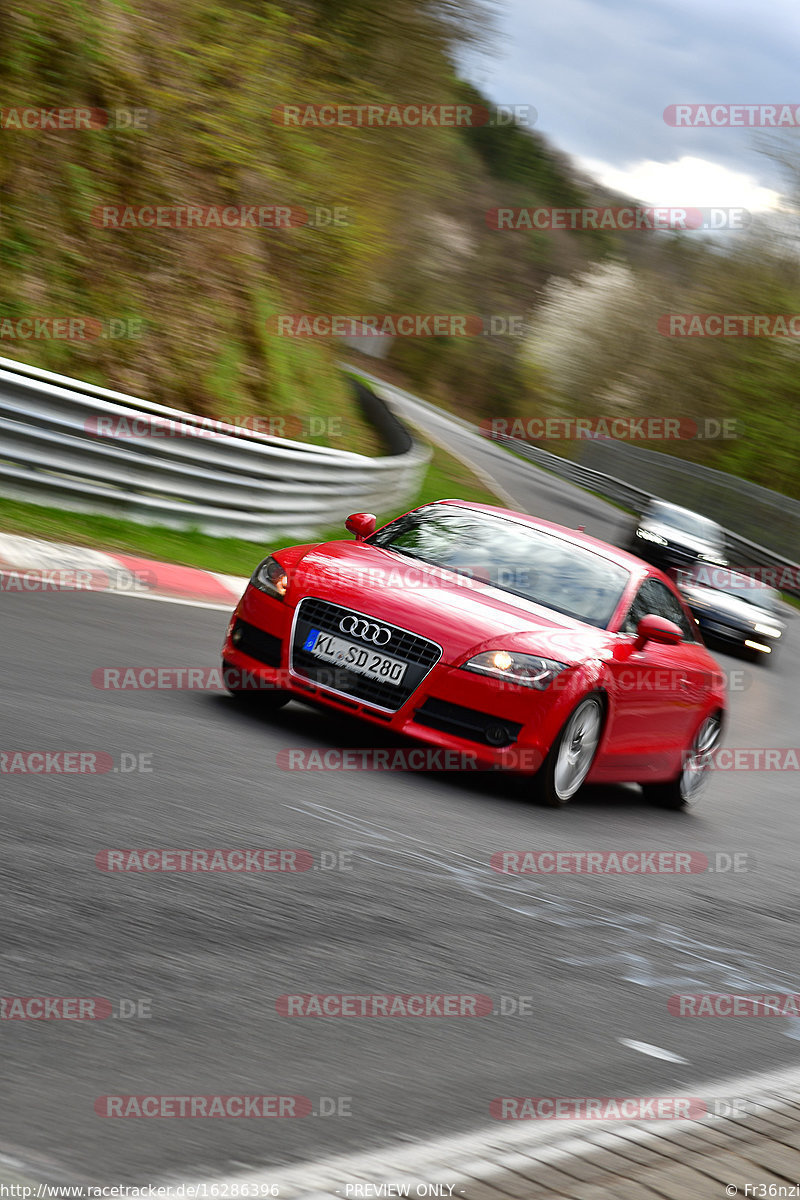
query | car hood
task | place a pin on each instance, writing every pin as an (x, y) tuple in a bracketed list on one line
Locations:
[(676, 537), (463, 615)]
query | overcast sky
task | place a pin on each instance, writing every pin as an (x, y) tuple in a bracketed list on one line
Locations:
[(601, 72)]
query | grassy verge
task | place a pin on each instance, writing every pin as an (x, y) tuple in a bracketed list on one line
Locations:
[(445, 477)]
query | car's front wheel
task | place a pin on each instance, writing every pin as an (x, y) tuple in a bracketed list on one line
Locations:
[(570, 758), (684, 790), (235, 681)]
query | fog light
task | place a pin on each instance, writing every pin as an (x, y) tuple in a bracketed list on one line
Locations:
[(498, 735)]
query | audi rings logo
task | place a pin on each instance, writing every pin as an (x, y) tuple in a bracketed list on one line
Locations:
[(368, 631)]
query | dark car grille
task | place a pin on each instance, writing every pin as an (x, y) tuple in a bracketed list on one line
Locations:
[(418, 652), (720, 626), (469, 723), (258, 644)]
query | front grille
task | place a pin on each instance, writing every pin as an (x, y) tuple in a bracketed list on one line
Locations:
[(418, 652), (260, 645), (723, 629), (469, 723)]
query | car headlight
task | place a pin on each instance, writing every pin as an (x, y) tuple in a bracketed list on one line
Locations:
[(270, 577), (769, 630), (647, 536), (527, 670)]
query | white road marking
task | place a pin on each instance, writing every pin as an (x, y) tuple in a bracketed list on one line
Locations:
[(223, 607), (234, 583), (653, 1051)]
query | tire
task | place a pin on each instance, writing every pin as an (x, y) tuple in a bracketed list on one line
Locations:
[(684, 790), (267, 699), (571, 755)]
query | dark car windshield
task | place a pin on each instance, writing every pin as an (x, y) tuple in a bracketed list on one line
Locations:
[(511, 556), (742, 586), (684, 522)]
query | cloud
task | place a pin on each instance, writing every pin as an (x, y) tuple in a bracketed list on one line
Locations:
[(601, 72), (688, 182)]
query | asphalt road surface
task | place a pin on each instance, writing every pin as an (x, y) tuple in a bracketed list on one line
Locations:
[(591, 959)]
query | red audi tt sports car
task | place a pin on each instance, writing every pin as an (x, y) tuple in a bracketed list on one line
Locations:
[(521, 644)]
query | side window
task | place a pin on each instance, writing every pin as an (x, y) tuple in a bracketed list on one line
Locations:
[(654, 597), (637, 610)]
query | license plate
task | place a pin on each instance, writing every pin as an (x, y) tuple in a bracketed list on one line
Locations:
[(372, 663)]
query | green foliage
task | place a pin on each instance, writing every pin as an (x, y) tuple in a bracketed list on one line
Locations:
[(207, 77)]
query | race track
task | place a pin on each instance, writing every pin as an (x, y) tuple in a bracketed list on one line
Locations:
[(420, 910)]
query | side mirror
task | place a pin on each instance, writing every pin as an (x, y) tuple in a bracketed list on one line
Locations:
[(361, 524), (657, 629)]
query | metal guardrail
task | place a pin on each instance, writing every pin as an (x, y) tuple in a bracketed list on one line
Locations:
[(242, 483), (236, 483)]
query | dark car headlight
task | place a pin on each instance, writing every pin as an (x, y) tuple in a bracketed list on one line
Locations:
[(648, 536), (527, 670), (269, 577)]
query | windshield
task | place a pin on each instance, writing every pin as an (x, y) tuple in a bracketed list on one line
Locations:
[(744, 587), (513, 557), (685, 522)]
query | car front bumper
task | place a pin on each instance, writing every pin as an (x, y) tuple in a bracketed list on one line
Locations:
[(492, 725)]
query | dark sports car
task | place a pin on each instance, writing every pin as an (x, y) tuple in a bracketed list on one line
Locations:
[(669, 536), (526, 645), (734, 609)]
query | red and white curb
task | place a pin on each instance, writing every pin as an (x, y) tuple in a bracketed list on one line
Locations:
[(30, 565)]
